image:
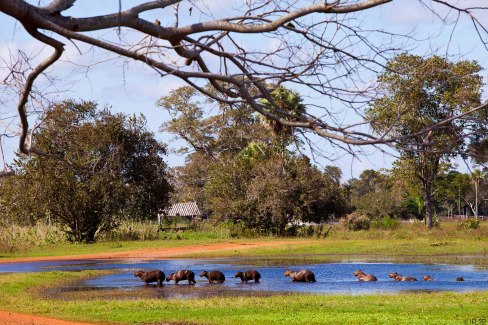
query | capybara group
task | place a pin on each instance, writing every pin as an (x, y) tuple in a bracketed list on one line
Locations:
[(182, 275), (301, 276), (397, 277), (212, 276), (364, 276), (248, 275), (151, 276), (253, 275)]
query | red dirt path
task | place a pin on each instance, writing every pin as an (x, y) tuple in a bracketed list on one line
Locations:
[(10, 318), (22, 319), (152, 253)]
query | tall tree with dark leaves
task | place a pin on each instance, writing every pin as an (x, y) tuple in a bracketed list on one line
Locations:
[(97, 167)]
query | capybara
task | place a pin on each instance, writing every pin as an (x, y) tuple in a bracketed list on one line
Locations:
[(364, 276), (151, 276), (459, 279), (249, 275), (427, 278), (182, 275), (301, 276), (397, 277), (213, 276)]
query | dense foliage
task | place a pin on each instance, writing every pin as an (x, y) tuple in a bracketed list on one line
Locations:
[(388, 194), (242, 168), (96, 168), (421, 92)]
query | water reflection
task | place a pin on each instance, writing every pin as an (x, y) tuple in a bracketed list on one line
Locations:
[(331, 277)]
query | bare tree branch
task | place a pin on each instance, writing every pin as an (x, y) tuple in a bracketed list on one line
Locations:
[(58, 50), (321, 46)]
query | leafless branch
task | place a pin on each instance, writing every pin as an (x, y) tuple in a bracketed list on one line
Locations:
[(323, 47)]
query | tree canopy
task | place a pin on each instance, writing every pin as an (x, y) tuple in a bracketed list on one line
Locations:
[(97, 168), (241, 170), (419, 93)]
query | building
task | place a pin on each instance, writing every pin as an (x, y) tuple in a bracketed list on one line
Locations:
[(187, 210)]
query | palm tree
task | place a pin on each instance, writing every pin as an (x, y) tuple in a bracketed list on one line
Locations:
[(289, 101)]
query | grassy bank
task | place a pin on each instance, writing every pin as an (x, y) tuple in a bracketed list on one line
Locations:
[(409, 240), (24, 293), (47, 240)]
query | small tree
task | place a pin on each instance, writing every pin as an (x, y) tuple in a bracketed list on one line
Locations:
[(418, 93)]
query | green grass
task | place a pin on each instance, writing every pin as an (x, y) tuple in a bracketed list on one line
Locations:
[(411, 241), (28, 292), (24, 293), (103, 247)]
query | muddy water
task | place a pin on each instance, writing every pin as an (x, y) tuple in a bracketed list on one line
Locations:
[(331, 277)]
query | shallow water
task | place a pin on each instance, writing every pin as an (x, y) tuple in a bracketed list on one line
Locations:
[(331, 277)]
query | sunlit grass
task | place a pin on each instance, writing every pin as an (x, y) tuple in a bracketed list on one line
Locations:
[(23, 293), (409, 240)]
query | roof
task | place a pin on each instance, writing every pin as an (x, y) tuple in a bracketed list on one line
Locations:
[(186, 209)]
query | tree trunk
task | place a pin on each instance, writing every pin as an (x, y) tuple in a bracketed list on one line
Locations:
[(476, 201), (428, 206), (459, 202)]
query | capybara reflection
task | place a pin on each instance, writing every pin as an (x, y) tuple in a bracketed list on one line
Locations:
[(364, 276), (249, 275), (151, 276), (427, 278), (459, 279), (182, 275), (301, 276), (397, 277), (211, 276)]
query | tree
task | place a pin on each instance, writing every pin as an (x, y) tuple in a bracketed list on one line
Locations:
[(288, 101), (417, 94), (376, 194), (452, 189), (97, 168), (330, 48), (241, 170), (266, 197), (477, 176)]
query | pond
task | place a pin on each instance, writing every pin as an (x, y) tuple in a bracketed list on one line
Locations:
[(332, 278)]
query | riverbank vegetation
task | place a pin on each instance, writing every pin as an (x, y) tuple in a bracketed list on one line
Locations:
[(408, 239), (102, 175)]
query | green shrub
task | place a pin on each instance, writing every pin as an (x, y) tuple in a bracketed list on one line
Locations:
[(356, 221), (385, 222), (470, 224)]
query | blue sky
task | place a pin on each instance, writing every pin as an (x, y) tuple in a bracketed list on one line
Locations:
[(131, 88)]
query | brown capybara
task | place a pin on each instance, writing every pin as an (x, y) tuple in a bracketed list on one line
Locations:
[(459, 279), (211, 276), (301, 276), (364, 276), (427, 278), (151, 276), (397, 277), (182, 275), (249, 275)]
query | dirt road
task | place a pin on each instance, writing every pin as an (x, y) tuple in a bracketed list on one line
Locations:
[(154, 253)]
